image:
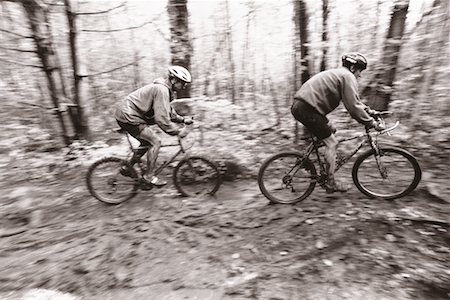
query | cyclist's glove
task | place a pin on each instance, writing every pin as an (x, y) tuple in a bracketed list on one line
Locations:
[(188, 121), (376, 125), (372, 112), (183, 132)]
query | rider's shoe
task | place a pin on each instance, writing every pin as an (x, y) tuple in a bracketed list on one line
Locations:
[(337, 187), (155, 181), (125, 171)]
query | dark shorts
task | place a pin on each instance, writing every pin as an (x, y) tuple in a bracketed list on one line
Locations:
[(143, 133), (314, 121)]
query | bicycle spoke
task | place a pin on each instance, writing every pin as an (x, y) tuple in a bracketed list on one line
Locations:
[(197, 176), (390, 176), (283, 180), (107, 184)]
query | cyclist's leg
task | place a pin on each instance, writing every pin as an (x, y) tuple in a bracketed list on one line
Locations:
[(322, 128), (134, 131), (330, 156), (148, 136), (151, 138)]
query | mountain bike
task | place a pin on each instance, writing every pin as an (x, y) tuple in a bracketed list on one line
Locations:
[(385, 172), (193, 175)]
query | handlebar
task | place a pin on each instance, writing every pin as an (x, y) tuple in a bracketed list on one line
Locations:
[(187, 127), (390, 128)]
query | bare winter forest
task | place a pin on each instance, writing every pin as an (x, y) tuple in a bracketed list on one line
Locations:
[(65, 64)]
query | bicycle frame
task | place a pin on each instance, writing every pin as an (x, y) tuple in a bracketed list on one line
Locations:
[(181, 150), (369, 138)]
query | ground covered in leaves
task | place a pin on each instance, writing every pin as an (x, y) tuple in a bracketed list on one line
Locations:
[(235, 245)]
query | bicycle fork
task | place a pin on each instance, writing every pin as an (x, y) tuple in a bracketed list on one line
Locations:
[(378, 154)]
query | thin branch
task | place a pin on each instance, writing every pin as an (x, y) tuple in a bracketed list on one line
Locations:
[(112, 70), (120, 29), (20, 64), (15, 33), (100, 12), (33, 104), (18, 50)]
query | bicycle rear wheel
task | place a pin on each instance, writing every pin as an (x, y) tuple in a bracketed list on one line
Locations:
[(283, 180), (394, 174), (105, 182), (196, 176)]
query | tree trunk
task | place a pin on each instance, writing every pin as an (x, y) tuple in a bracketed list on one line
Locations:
[(37, 20), (230, 54), (80, 122), (380, 96), (246, 54), (136, 67), (180, 45), (301, 23), (323, 64), (300, 43)]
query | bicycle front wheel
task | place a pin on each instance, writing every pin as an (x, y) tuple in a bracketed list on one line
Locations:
[(105, 182), (393, 174), (196, 176), (287, 178)]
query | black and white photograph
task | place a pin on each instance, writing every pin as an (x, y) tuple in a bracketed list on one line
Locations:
[(224, 150)]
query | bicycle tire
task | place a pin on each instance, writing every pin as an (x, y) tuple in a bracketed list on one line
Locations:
[(196, 176), (400, 167), (305, 182), (110, 191)]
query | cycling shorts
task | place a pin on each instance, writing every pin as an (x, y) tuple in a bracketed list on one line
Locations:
[(314, 121), (143, 133)]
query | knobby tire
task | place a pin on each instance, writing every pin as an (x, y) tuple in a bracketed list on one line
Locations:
[(275, 168), (401, 169), (106, 184), (196, 176)]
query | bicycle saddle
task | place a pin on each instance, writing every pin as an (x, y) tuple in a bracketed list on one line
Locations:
[(120, 130)]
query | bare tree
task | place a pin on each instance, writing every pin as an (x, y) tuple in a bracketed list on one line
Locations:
[(38, 18), (79, 118), (380, 93), (301, 64), (323, 64), (229, 40), (180, 44)]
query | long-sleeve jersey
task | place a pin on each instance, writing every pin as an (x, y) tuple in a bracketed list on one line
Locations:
[(325, 90), (150, 104)]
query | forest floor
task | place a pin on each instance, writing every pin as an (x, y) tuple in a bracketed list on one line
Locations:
[(55, 235)]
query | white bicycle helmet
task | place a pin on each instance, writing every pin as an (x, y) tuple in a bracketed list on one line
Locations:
[(180, 73)]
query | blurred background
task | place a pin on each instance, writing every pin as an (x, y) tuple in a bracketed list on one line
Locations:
[(66, 64)]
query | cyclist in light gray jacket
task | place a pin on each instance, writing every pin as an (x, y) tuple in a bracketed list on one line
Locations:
[(150, 105), (320, 95)]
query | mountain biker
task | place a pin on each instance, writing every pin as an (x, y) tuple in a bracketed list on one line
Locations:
[(320, 95), (150, 105)]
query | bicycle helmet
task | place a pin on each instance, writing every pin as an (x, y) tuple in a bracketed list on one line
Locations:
[(180, 73), (354, 59)]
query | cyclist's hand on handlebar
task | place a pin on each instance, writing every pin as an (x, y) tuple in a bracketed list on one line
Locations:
[(378, 126), (372, 112), (183, 132), (188, 121)]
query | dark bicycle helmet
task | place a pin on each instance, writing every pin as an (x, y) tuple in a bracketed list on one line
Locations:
[(354, 59)]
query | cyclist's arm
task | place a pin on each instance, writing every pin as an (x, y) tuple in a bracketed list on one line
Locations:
[(352, 103), (162, 109), (175, 117)]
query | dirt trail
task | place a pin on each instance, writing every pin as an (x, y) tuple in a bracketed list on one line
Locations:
[(232, 246)]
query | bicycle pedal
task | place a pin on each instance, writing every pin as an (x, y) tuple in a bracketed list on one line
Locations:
[(145, 186), (125, 171)]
